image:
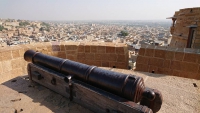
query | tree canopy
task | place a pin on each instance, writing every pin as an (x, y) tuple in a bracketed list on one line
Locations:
[(45, 24), (123, 33), (24, 23), (1, 28)]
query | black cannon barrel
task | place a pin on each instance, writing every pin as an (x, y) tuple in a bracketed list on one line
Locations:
[(128, 86)]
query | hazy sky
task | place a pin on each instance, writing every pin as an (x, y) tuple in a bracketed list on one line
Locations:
[(92, 9)]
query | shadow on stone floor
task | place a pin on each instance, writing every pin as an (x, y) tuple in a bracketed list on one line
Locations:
[(40, 99)]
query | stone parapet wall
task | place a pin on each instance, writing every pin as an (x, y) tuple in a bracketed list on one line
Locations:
[(103, 54), (181, 62)]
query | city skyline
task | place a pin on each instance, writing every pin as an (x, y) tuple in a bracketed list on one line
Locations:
[(92, 10)]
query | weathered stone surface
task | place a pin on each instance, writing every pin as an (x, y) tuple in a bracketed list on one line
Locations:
[(6, 65), (110, 49), (190, 57), (142, 67), (142, 51), (101, 49), (179, 56), (149, 52), (34, 98), (156, 62), (159, 53), (142, 59)]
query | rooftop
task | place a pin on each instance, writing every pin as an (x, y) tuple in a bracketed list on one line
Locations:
[(19, 95)]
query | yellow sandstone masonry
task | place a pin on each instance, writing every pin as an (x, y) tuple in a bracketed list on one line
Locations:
[(183, 62), (106, 54), (185, 19)]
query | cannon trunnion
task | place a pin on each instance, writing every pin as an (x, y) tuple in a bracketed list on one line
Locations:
[(84, 84)]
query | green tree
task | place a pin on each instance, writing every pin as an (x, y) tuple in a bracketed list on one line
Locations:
[(1, 28), (41, 29), (123, 33), (24, 23), (45, 24)]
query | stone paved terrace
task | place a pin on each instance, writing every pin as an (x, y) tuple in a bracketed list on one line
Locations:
[(181, 95)]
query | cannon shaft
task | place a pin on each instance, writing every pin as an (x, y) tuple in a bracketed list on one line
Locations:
[(130, 87)]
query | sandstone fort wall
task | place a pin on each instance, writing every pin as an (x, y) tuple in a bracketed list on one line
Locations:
[(183, 62), (12, 63)]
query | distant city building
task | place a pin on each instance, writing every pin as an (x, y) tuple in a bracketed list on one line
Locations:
[(185, 28)]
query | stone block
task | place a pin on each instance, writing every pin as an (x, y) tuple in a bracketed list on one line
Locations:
[(190, 57), (70, 52), (169, 55), (89, 56), (105, 57), (153, 68), (71, 47), (62, 47), (156, 62), (81, 56), (6, 66), (16, 63), (98, 56), (97, 63), (176, 73), (71, 57), (179, 56), (56, 48), (159, 53), (120, 50), (142, 51), (101, 49), (80, 60), (54, 53), (197, 41), (21, 52), (121, 65), (175, 65), (49, 48), (142, 67), (44, 51), (15, 53), (142, 59), (112, 64), (81, 48), (5, 77), (110, 49), (61, 54), (121, 58), (90, 62), (112, 57), (93, 49), (167, 63), (149, 52), (198, 76), (5, 55), (16, 72), (165, 71), (188, 74), (196, 45), (105, 64), (87, 48), (189, 67)]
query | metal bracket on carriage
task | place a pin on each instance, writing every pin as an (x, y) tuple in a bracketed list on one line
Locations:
[(68, 79)]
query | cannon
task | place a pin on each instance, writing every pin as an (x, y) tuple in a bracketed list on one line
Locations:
[(122, 88)]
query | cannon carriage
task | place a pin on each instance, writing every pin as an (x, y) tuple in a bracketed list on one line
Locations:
[(97, 89)]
